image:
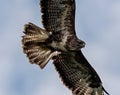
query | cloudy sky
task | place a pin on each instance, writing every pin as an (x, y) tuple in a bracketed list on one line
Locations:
[(97, 23)]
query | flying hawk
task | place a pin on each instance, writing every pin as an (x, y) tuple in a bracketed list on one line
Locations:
[(58, 42)]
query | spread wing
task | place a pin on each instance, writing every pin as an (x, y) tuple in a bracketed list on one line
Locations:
[(78, 75), (58, 15)]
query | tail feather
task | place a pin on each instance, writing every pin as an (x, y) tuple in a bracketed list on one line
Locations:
[(34, 45), (34, 34), (38, 55)]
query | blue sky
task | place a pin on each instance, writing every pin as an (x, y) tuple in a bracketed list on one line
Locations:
[(97, 23)]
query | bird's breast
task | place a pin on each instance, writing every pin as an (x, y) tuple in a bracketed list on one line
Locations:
[(60, 42), (58, 45)]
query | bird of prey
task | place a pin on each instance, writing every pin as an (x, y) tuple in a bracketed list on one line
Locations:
[(58, 42)]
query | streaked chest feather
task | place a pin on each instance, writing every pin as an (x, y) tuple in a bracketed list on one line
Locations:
[(62, 44)]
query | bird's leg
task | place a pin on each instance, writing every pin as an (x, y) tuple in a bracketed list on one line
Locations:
[(51, 56), (55, 53)]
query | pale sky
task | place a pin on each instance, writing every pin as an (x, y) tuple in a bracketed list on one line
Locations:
[(97, 23)]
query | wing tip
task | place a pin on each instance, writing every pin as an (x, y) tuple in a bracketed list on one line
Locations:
[(105, 91)]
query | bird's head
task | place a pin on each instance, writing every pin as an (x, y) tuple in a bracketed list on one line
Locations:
[(75, 44), (81, 44)]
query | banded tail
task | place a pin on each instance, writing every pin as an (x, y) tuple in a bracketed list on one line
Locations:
[(34, 45)]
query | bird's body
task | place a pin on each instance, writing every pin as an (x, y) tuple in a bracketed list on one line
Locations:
[(58, 41)]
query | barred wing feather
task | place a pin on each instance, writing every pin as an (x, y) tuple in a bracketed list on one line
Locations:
[(78, 75)]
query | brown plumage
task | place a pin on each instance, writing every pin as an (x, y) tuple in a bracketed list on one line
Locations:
[(58, 41)]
